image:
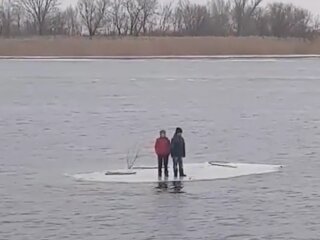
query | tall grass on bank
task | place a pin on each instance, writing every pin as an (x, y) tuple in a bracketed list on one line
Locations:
[(156, 46)]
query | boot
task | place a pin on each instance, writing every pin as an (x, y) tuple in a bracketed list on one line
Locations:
[(175, 173), (181, 173)]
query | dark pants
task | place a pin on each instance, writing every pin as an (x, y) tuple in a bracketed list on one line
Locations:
[(177, 161), (163, 161)]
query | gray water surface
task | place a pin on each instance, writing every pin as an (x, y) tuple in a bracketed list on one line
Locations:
[(67, 117)]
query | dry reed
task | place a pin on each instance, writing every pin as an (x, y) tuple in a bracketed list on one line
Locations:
[(156, 46)]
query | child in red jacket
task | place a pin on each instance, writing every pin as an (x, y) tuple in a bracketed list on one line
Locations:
[(162, 148)]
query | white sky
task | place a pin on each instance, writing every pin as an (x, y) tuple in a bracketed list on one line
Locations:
[(312, 5)]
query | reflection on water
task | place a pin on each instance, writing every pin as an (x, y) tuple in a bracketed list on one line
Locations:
[(177, 186), (171, 186)]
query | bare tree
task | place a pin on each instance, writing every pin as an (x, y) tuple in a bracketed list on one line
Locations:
[(18, 15), (134, 10), (279, 15), (220, 11), (6, 12), (10, 17), (261, 22), (92, 13), (119, 17), (315, 28), (148, 10), (58, 23), (243, 10), (286, 20), (40, 11), (165, 17), (137, 17), (178, 26), (192, 19), (301, 23), (71, 18), (1, 19)]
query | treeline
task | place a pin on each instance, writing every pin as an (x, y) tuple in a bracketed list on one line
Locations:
[(151, 18)]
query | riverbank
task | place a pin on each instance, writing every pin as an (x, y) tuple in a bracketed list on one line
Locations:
[(156, 47)]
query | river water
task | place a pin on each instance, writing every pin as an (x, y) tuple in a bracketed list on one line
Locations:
[(60, 118)]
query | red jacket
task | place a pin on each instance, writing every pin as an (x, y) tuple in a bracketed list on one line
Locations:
[(162, 146)]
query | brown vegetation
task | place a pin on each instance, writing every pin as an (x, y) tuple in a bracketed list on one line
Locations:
[(156, 46)]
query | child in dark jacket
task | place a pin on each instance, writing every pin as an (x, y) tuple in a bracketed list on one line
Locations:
[(162, 149), (178, 152)]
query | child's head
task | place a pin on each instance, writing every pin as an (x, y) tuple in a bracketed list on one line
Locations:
[(162, 133), (179, 131)]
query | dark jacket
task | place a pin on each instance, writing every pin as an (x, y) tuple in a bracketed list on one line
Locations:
[(178, 148), (162, 146)]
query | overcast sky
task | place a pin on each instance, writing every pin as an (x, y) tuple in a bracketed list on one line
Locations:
[(312, 5)]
